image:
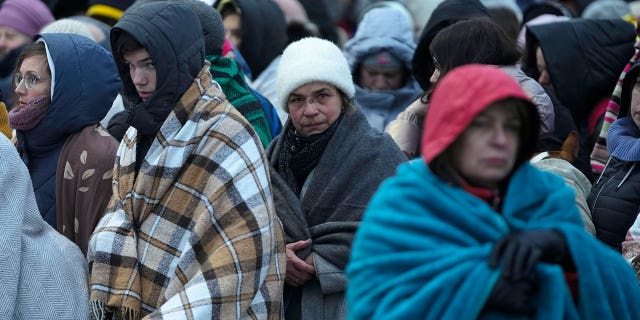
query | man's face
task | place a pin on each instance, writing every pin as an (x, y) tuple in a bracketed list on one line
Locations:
[(142, 72)]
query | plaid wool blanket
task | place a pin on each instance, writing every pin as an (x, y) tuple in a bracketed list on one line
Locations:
[(194, 234)]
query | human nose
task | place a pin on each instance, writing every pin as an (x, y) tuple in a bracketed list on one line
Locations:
[(380, 82), (310, 107), (499, 136), (544, 77), (21, 88), (434, 76), (138, 76)]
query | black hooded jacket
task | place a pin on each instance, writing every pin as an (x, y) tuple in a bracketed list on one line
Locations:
[(178, 55), (445, 14), (264, 33), (584, 58)]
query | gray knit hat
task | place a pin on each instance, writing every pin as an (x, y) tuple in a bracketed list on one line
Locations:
[(312, 59), (606, 9), (68, 25), (211, 24)]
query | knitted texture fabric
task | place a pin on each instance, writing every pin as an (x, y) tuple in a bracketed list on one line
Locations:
[(68, 25), (211, 22), (108, 8), (25, 16), (600, 154), (231, 79), (312, 59)]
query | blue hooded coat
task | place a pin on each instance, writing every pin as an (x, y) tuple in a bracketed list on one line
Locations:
[(85, 82)]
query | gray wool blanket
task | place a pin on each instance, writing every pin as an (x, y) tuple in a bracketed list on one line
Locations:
[(354, 163), (43, 274)]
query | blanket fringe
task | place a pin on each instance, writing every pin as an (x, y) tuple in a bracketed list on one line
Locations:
[(99, 312)]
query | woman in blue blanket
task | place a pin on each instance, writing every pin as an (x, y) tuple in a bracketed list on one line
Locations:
[(471, 230)]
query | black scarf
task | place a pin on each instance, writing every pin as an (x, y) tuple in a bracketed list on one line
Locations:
[(302, 154)]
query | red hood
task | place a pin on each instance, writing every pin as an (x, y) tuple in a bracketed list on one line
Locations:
[(459, 97)]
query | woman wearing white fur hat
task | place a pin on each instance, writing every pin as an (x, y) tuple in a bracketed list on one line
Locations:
[(325, 166)]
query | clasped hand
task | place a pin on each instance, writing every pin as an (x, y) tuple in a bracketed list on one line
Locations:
[(520, 252), (299, 271)]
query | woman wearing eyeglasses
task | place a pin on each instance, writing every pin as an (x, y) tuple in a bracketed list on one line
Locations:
[(64, 84)]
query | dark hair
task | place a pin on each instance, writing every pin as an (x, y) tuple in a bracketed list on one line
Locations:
[(30, 50), (528, 137), (126, 43), (508, 22), (228, 7), (473, 41)]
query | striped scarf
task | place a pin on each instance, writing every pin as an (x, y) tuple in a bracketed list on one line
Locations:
[(231, 79), (600, 154), (194, 234)]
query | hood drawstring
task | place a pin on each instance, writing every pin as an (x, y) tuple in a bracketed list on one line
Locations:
[(626, 175)]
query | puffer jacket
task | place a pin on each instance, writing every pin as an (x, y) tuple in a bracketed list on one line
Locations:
[(614, 201), (615, 197)]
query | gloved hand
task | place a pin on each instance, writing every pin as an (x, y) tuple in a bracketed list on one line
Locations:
[(512, 296), (520, 251)]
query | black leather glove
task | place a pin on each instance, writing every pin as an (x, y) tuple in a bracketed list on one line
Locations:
[(512, 296), (520, 251)]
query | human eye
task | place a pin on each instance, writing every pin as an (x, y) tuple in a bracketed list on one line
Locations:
[(513, 126), (295, 101), (372, 73), (31, 79), (480, 123)]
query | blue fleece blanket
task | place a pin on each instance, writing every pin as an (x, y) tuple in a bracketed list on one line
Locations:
[(421, 252)]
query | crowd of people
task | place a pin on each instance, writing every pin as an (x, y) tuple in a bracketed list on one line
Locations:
[(305, 159)]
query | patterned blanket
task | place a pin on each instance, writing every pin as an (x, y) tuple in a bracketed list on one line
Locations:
[(193, 235)]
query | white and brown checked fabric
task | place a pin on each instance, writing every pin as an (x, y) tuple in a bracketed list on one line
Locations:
[(194, 235)]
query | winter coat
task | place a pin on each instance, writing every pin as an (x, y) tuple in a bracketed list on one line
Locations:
[(383, 29), (584, 58), (329, 211), (577, 181), (614, 199), (85, 83), (264, 33)]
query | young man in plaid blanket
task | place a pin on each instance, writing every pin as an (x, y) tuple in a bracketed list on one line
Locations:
[(191, 231)]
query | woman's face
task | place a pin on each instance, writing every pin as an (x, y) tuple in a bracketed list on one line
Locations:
[(314, 107), (10, 39), (635, 103), (485, 153), (436, 72), (35, 79), (544, 77)]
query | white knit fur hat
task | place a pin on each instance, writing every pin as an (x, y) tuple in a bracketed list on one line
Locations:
[(312, 59)]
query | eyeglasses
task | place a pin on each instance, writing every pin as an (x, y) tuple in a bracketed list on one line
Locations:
[(30, 80)]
